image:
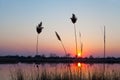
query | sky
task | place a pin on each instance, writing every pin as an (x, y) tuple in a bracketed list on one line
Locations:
[(19, 18)]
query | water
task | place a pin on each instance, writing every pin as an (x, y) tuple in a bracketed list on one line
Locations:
[(73, 70)]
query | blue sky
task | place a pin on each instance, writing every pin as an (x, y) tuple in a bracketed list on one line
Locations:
[(19, 18)]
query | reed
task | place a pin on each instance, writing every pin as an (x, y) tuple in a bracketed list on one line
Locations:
[(104, 42), (81, 43), (39, 30), (59, 38), (74, 19), (19, 74)]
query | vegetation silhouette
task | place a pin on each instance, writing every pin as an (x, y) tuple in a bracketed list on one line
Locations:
[(74, 19), (104, 41), (39, 30), (56, 59), (69, 73), (81, 43), (61, 42)]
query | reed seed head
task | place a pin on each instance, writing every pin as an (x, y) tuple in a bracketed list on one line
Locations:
[(39, 28), (73, 18), (58, 36)]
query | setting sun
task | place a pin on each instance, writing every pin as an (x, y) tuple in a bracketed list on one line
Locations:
[(79, 54)]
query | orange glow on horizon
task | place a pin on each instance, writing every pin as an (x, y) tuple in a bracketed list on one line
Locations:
[(79, 54)]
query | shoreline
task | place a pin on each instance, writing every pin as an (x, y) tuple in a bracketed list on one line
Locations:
[(38, 60)]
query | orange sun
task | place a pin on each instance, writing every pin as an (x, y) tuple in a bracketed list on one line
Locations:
[(79, 54)]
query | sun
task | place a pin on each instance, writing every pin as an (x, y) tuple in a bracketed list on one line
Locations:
[(79, 54)]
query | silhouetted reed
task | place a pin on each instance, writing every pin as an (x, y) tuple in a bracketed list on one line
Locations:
[(104, 41), (81, 44), (17, 74), (74, 19), (39, 30), (58, 37)]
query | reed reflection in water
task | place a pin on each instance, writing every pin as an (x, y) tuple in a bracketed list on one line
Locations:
[(66, 71)]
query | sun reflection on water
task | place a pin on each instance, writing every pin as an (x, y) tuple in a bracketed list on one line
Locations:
[(79, 64)]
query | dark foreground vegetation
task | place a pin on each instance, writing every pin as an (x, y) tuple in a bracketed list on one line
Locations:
[(39, 74), (56, 59)]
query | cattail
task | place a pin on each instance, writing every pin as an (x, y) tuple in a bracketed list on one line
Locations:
[(58, 36), (39, 30), (74, 19), (61, 42)]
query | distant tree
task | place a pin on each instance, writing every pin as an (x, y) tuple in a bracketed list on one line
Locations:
[(91, 57), (43, 56), (68, 55), (53, 55)]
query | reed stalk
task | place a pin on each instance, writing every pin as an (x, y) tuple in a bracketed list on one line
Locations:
[(59, 38), (74, 19), (39, 30)]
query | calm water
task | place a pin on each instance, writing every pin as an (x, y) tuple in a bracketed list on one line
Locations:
[(6, 70)]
